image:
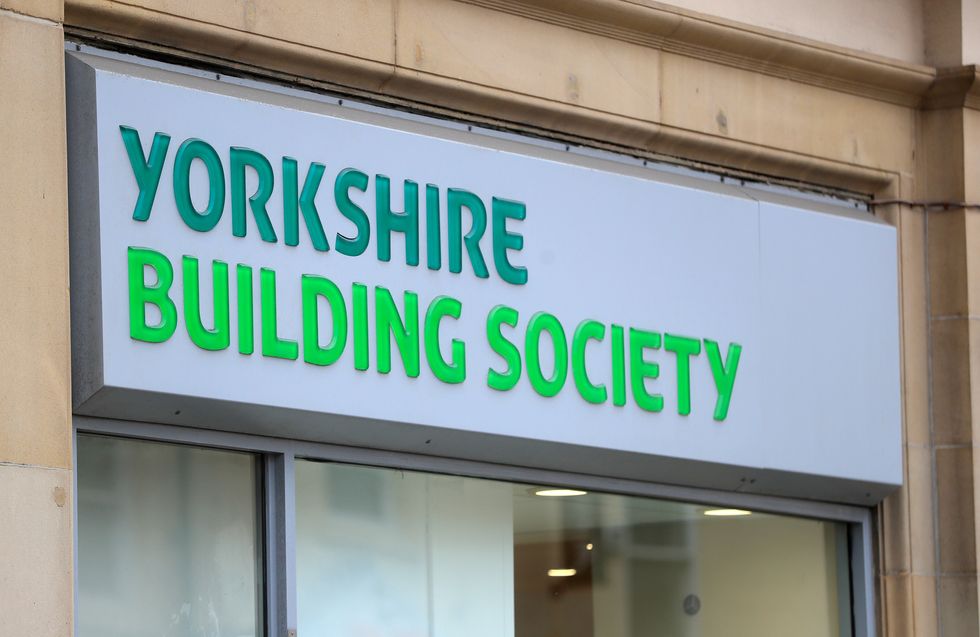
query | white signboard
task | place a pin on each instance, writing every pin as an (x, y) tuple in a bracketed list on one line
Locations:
[(257, 262)]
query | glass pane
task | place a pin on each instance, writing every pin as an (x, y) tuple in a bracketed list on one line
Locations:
[(617, 566), (168, 541), (400, 554), (389, 553)]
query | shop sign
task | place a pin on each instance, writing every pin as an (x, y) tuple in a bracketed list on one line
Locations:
[(245, 259)]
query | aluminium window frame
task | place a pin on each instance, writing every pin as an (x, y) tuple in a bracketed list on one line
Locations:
[(279, 506)]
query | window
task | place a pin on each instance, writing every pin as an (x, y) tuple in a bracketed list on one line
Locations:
[(401, 554), (170, 543)]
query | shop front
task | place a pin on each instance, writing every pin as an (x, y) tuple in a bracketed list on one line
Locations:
[(340, 369)]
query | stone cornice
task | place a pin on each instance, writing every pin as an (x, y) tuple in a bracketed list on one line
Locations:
[(954, 88), (733, 44), (119, 23), (646, 24)]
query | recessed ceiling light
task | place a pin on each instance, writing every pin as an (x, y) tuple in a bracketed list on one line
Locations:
[(561, 572), (558, 493), (588, 547), (727, 513)]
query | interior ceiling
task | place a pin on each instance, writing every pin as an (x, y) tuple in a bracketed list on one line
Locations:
[(535, 514)]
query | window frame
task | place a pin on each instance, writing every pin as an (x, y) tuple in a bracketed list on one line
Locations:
[(278, 457)]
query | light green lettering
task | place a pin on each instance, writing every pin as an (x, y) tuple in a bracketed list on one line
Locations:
[(640, 369), (724, 374), (586, 331), (315, 287), (539, 323), (141, 295), (454, 372), (220, 337), (388, 325), (272, 345)]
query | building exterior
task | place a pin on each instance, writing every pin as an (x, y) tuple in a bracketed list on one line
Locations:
[(854, 110)]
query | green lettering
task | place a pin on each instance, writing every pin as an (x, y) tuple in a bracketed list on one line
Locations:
[(586, 331), (240, 159), (640, 369), (146, 171), (141, 294), (618, 365), (433, 246), (389, 221), (454, 372), (724, 374), (388, 324), (315, 287), (544, 322), (684, 348), (503, 241), (360, 327), (246, 310), (291, 204), (220, 337), (208, 218), (506, 380), (272, 345), (456, 201), (347, 179)]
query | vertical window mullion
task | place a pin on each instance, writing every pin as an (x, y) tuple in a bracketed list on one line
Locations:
[(862, 577), (280, 563), (289, 540)]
